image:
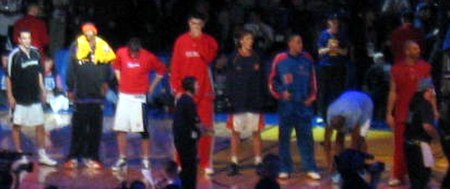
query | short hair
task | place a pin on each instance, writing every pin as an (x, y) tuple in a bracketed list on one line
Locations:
[(189, 84), (408, 43), (272, 165), (408, 16), (197, 15), (134, 44), (31, 5), (241, 34), (171, 168), (292, 36)]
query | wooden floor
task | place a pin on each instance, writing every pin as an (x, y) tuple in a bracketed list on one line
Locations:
[(380, 144)]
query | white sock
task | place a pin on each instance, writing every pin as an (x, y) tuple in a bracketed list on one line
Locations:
[(234, 159), (258, 160), (41, 152)]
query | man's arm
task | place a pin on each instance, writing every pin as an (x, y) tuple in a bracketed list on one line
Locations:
[(42, 88), (11, 99), (358, 142), (392, 96)]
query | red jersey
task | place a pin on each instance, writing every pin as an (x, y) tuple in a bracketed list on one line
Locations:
[(134, 71), (402, 34), (192, 57), (406, 78), (38, 29)]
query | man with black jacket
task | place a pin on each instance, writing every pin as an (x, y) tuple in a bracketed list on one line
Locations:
[(88, 74), (186, 132)]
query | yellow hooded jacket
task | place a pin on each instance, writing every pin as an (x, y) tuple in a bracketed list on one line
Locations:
[(103, 52)]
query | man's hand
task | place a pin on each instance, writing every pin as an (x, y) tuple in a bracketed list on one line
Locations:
[(390, 121), (286, 95), (309, 101), (71, 96)]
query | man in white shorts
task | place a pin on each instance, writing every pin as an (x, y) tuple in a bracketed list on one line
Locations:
[(133, 66), (25, 91), (350, 114)]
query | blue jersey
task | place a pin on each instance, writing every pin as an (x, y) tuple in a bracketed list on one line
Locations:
[(325, 39)]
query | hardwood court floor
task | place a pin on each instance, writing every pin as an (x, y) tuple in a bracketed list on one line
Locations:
[(380, 144)]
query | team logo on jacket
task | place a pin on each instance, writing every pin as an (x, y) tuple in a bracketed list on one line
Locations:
[(133, 65), (288, 78), (192, 54)]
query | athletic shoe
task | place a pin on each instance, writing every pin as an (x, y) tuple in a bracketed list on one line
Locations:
[(209, 171), (93, 164), (71, 164), (313, 175), (45, 160), (394, 182), (120, 164), (145, 163), (283, 175), (233, 169)]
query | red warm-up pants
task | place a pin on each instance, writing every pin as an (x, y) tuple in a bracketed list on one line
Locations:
[(205, 111), (399, 168)]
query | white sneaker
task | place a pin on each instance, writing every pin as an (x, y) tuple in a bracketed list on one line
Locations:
[(394, 182), (209, 171), (145, 163), (283, 175), (336, 178), (120, 164), (45, 160), (313, 175)]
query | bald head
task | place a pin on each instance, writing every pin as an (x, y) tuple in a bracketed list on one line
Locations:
[(412, 50)]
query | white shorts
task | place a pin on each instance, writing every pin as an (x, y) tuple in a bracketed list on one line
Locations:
[(130, 113), (247, 121), (28, 115)]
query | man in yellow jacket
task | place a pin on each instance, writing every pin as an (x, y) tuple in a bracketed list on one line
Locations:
[(87, 76)]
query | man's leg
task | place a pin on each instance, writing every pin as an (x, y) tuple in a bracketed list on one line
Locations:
[(122, 143), (399, 167), (206, 112), (17, 138), (257, 146), (79, 123), (284, 137), (305, 143), (40, 136), (187, 151), (95, 132), (235, 141)]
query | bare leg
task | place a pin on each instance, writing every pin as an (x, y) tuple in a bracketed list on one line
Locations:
[(17, 138), (257, 144), (122, 143), (145, 148), (40, 136), (235, 141)]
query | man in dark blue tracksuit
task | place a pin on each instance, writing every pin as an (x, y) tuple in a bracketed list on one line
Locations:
[(293, 82)]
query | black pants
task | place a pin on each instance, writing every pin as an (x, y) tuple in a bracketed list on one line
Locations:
[(332, 82), (446, 148), (187, 152), (419, 175), (87, 125)]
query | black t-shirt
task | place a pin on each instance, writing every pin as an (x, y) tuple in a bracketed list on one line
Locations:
[(24, 70), (185, 119), (420, 112), (245, 83)]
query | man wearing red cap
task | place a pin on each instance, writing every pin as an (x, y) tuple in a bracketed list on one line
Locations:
[(35, 25), (193, 53), (87, 77)]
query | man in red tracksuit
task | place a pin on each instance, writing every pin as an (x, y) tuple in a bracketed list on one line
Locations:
[(193, 53), (35, 25), (406, 75)]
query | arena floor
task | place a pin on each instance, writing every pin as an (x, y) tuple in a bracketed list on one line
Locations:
[(379, 142)]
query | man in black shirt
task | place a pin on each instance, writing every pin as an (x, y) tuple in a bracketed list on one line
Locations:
[(186, 133), (25, 91), (418, 135)]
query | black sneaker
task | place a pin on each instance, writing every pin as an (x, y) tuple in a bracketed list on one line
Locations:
[(259, 169), (233, 169)]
